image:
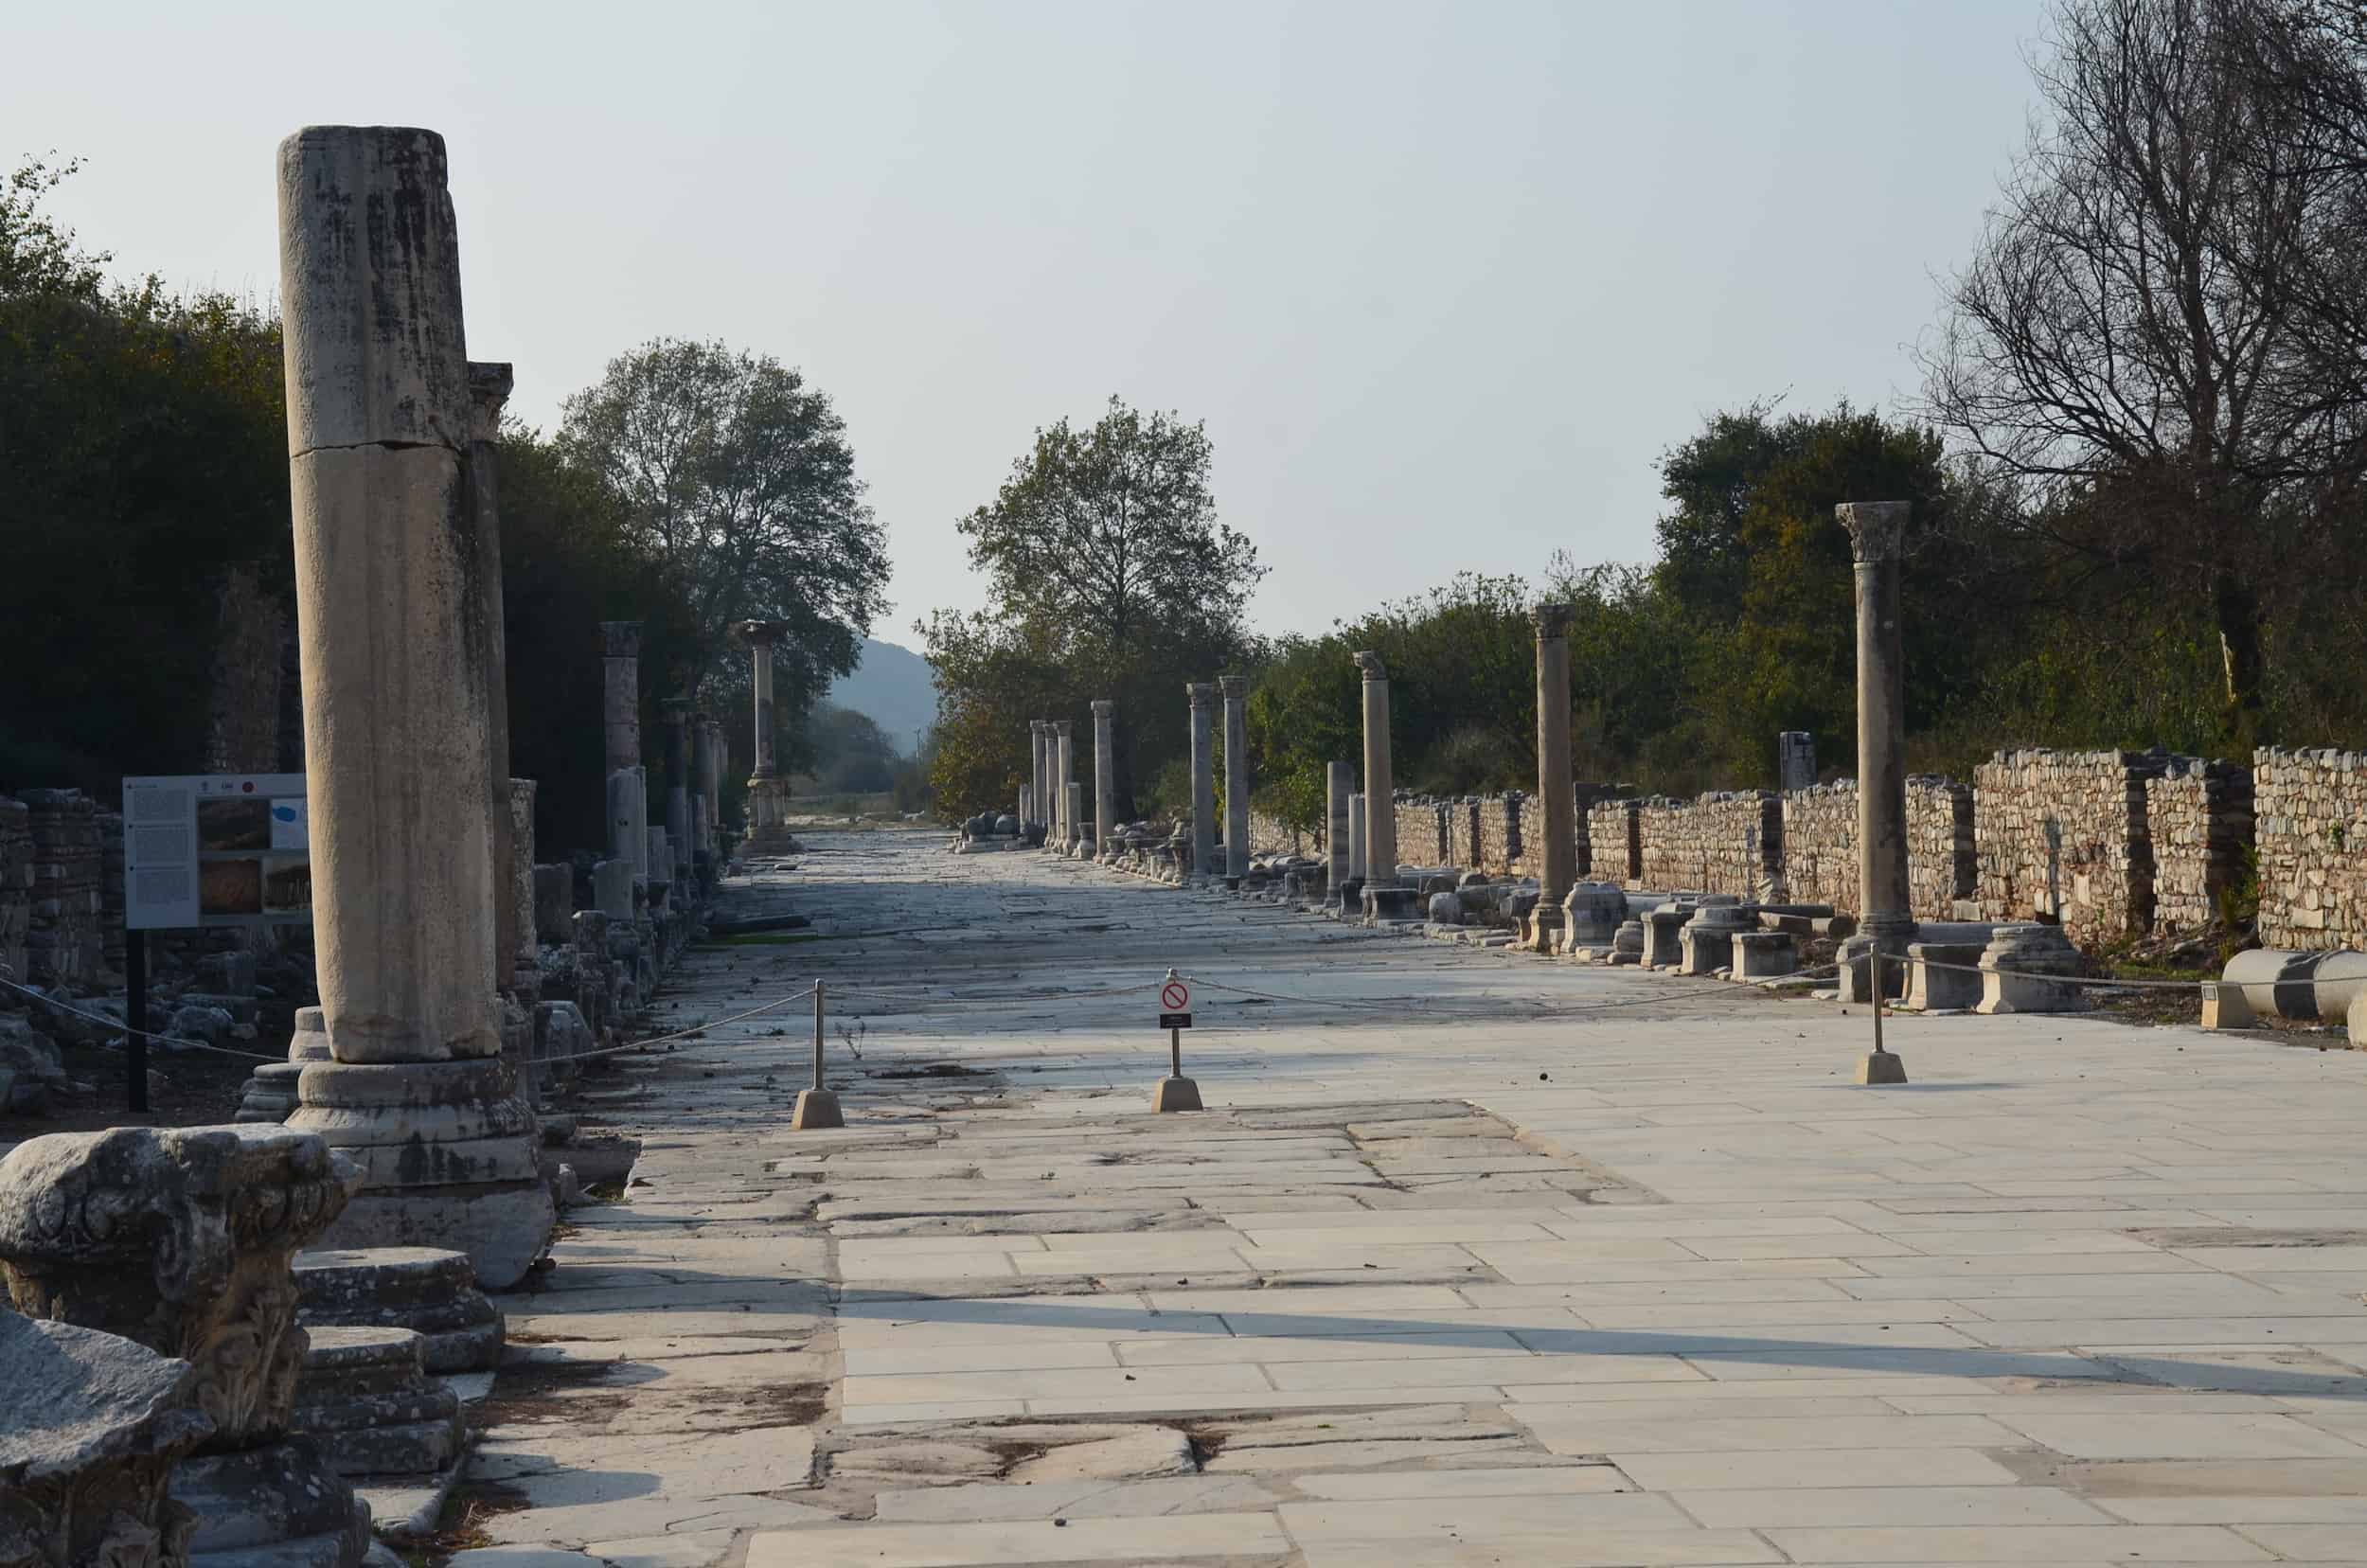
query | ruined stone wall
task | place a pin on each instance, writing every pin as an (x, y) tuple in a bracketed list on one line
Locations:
[(2200, 817), (1422, 828), (16, 889), (1270, 835), (1721, 843), (2311, 810), (111, 888), (63, 944), (1820, 845), (1610, 848), (1509, 829), (1943, 864), (2097, 801)]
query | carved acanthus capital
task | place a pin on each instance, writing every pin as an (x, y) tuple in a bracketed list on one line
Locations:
[(1551, 620), (620, 639), (180, 1240), (1104, 707), (490, 382), (1234, 686), (1063, 728), (1370, 664), (1877, 529), (760, 634), (1199, 693)]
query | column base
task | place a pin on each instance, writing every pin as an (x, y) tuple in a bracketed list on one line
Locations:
[(1349, 901), (1175, 1094), (447, 1150), (817, 1109), (1542, 928), (1881, 1067), (1392, 904), (278, 1503)]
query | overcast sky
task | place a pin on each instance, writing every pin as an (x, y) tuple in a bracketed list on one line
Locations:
[(1444, 280)]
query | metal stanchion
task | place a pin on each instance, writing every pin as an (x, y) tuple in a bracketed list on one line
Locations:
[(1881, 1066), (1175, 1090), (817, 1108)]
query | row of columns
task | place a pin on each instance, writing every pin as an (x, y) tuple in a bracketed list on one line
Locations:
[(1361, 826)]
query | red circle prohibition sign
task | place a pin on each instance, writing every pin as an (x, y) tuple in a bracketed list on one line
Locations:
[(1174, 997)]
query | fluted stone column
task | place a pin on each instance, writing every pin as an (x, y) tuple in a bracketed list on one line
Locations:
[(677, 712), (1339, 783), (1199, 693), (1235, 690), (1105, 776), (764, 783), (620, 712), (1557, 803), (398, 667), (1064, 774)]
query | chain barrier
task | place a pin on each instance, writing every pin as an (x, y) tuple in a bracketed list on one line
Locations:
[(118, 1023)]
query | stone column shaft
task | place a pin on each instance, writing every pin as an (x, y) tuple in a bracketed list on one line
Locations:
[(1064, 769), (677, 711), (398, 664), (1235, 690), (1876, 534), (1105, 774), (488, 391), (628, 806), (1198, 694), (1357, 840), (1338, 784), (764, 790), (1557, 803), (1380, 795)]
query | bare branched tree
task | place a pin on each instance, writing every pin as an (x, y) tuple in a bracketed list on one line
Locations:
[(2155, 332)]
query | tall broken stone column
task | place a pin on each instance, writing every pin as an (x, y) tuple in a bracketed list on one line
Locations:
[(620, 714), (765, 812), (702, 848), (489, 392), (719, 756), (1064, 776), (1385, 897), (397, 678), (1105, 776), (1199, 693), (1339, 783), (1235, 690), (1877, 530), (1556, 790), (677, 714)]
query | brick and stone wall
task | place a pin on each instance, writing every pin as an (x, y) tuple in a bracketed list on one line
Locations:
[(1510, 828), (1821, 845), (2200, 817), (1270, 835), (2311, 811), (16, 888), (1611, 849), (63, 944), (2097, 801), (1422, 828), (1721, 843)]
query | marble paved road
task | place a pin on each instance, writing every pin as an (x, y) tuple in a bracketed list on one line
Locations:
[(1474, 1258)]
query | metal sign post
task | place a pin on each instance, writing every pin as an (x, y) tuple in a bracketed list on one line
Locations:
[(1175, 1090), (1881, 1067)]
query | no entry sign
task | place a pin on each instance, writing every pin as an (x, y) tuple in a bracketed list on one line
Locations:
[(1175, 1005)]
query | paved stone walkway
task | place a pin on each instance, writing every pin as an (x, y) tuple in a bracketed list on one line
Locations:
[(1476, 1259)]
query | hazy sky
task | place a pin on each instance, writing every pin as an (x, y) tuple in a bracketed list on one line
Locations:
[(1444, 280)]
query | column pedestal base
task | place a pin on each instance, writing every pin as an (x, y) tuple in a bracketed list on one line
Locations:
[(447, 1150)]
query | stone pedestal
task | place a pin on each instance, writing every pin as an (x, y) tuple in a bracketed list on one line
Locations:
[(1763, 955), (1795, 760), (1628, 946), (1660, 928), (2015, 963), (1237, 784), (1935, 989), (92, 1427), (1591, 916), (1556, 793), (1105, 777), (1705, 943), (397, 678), (363, 1396), (180, 1240), (430, 1291)]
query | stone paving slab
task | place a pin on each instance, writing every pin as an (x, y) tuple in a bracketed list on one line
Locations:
[(1475, 1258)]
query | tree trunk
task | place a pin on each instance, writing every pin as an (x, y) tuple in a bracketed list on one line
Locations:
[(2236, 610)]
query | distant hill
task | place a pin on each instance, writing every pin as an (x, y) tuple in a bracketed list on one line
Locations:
[(891, 688)]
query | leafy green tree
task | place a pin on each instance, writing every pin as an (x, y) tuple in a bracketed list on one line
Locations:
[(1110, 575), (738, 475)]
